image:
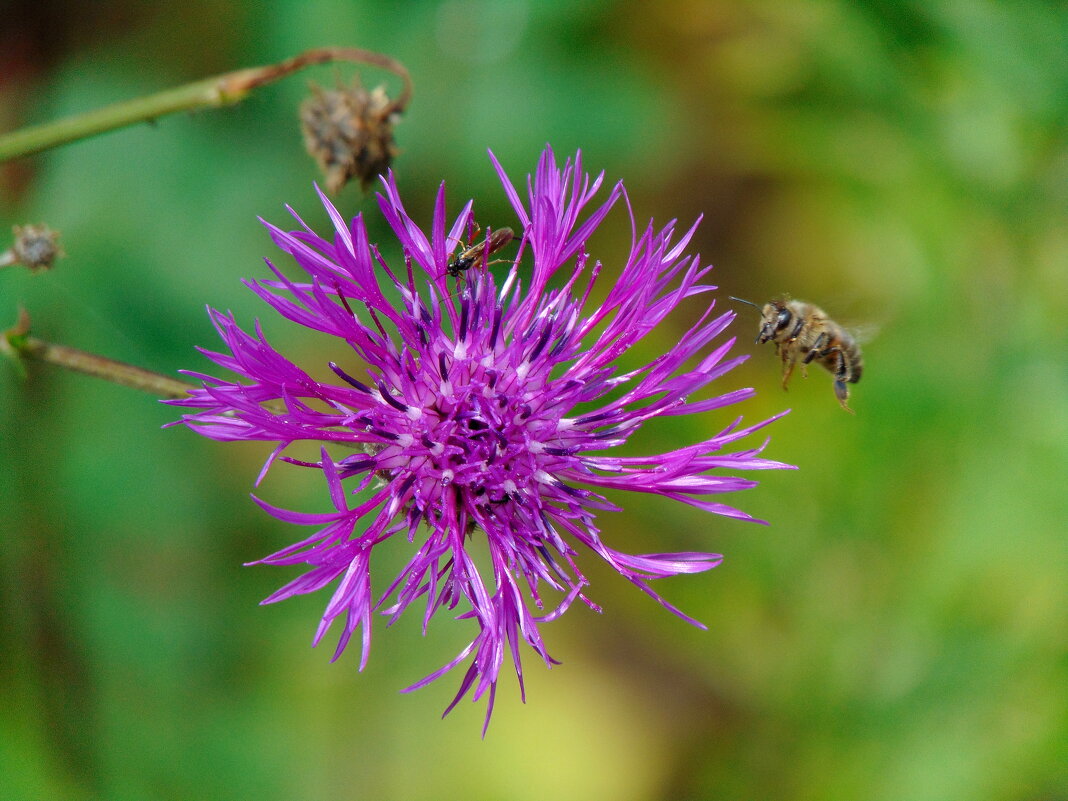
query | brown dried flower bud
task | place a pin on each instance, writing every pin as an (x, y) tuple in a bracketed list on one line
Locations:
[(349, 132), (36, 247)]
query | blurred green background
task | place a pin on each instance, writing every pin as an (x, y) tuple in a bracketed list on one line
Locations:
[(899, 630)]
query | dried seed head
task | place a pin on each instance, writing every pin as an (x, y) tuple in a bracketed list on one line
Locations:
[(36, 247), (349, 132)]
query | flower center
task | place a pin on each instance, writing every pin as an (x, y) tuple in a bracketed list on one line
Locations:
[(472, 426)]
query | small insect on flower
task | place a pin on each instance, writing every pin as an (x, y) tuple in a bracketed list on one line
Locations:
[(484, 430), (475, 255), (802, 331)]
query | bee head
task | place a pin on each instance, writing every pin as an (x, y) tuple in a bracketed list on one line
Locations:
[(771, 318)]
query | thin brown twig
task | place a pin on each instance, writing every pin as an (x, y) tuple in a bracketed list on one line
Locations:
[(247, 80)]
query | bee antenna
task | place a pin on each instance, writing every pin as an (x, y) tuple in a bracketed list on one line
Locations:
[(747, 302)]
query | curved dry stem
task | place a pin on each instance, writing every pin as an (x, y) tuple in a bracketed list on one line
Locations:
[(221, 90), (247, 80)]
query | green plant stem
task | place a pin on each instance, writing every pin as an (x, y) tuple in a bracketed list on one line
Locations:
[(222, 90), (18, 343), (31, 140), (117, 372)]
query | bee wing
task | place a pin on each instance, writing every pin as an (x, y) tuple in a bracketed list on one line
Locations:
[(852, 314), (864, 333)]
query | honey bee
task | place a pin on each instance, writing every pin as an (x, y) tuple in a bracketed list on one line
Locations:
[(803, 332), (475, 254)]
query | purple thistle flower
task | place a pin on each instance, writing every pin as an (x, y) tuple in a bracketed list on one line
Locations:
[(484, 411)]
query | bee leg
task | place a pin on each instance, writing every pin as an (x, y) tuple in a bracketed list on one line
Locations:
[(841, 391), (787, 367), (815, 351), (797, 329)]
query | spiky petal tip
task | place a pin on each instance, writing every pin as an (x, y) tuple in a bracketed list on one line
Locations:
[(477, 409)]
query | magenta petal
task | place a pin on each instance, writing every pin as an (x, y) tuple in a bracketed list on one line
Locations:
[(481, 414)]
